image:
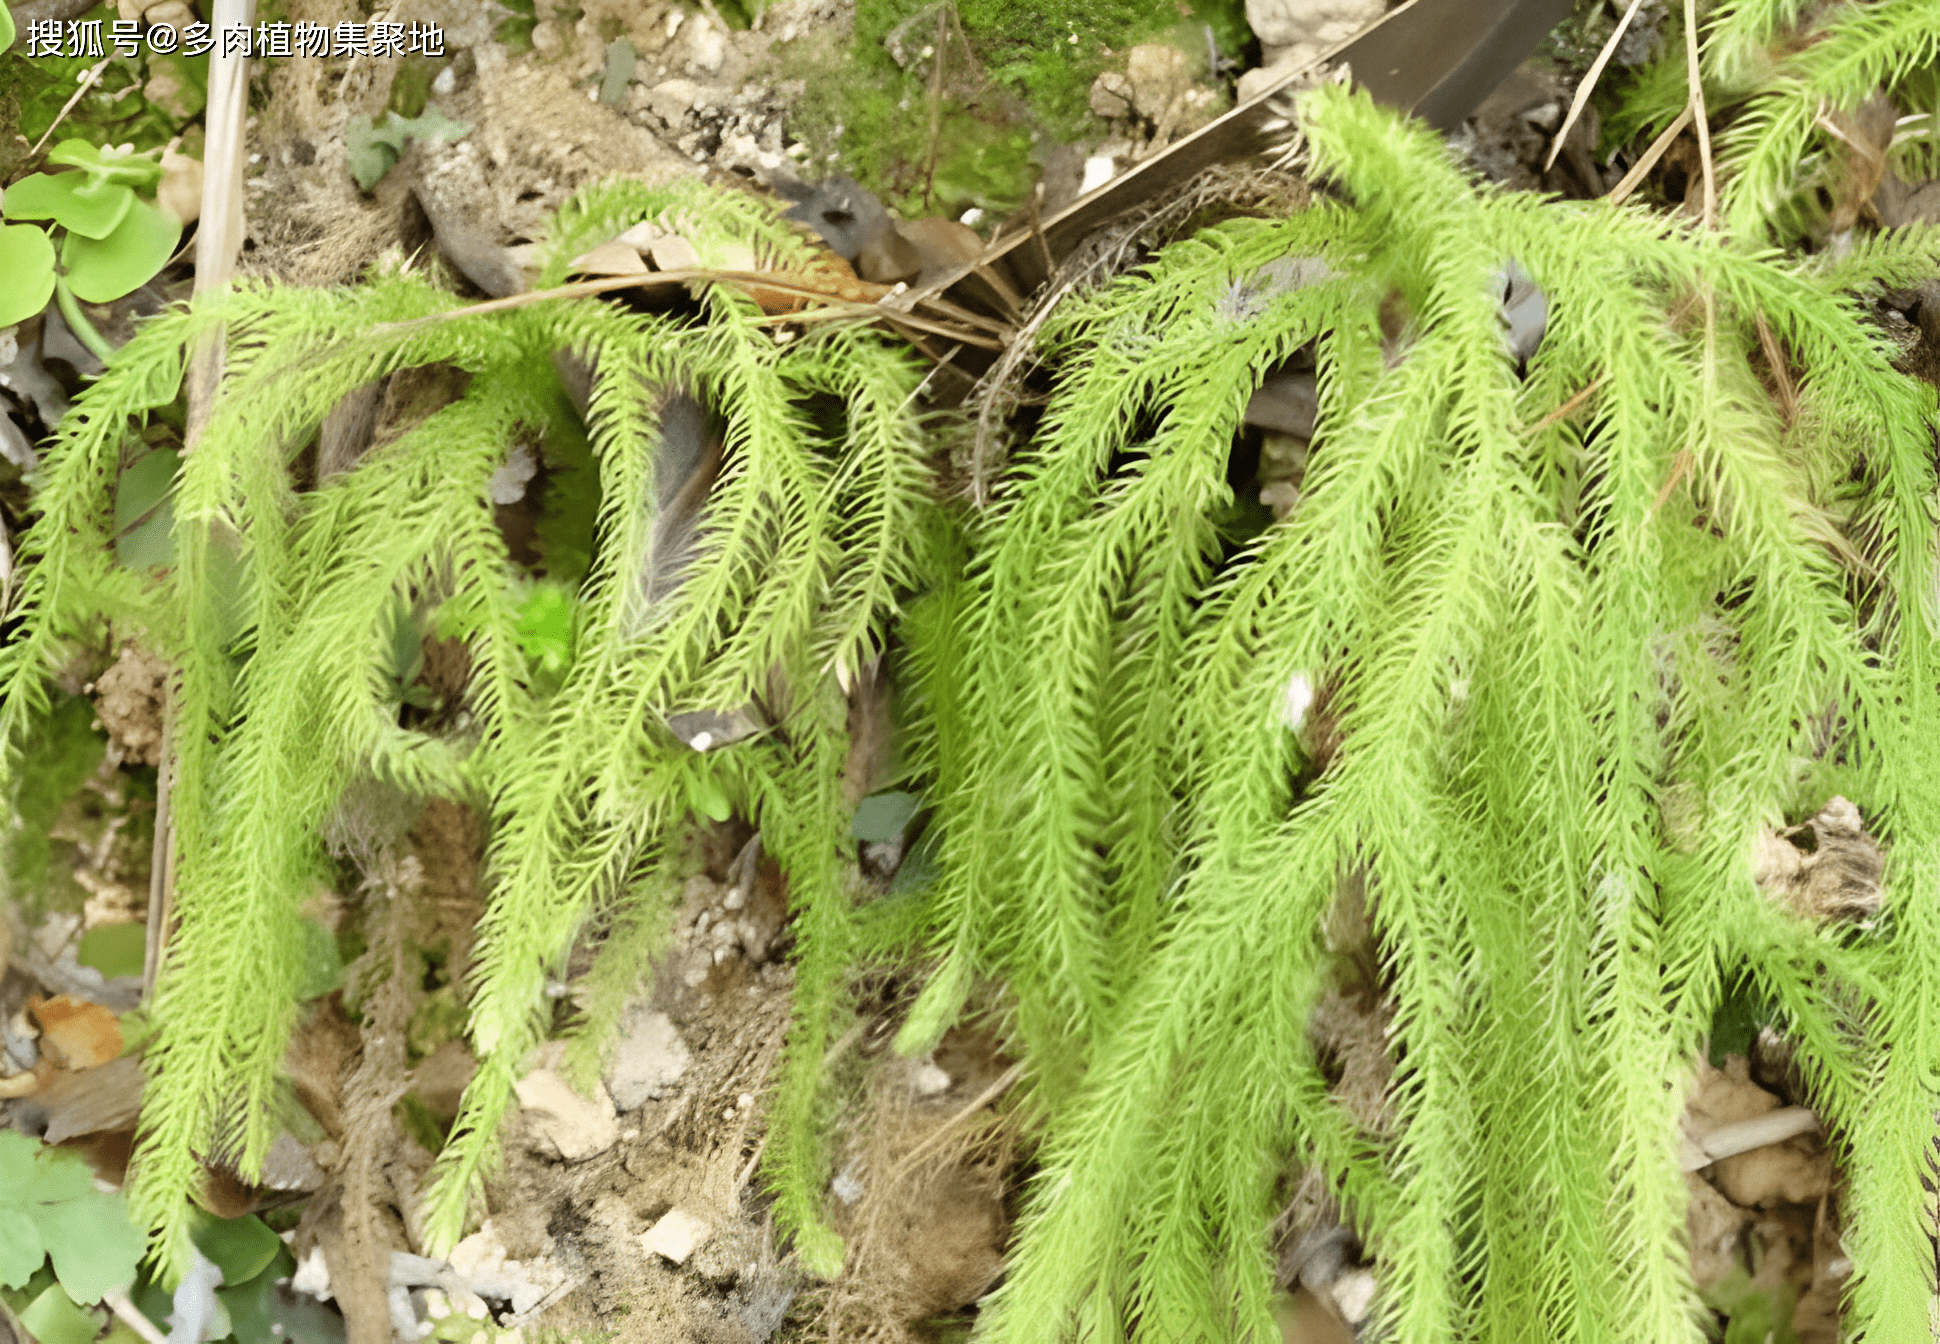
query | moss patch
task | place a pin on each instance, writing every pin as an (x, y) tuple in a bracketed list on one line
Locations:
[(1016, 78), (55, 763)]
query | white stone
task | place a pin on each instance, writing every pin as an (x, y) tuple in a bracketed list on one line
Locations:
[(926, 1080), (1281, 23), (1296, 700), (312, 1275), (1099, 169), (676, 1236), (509, 481), (847, 1186), (567, 1125), (670, 99), (1354, 1294), (707, 44), (480, 1255), (171, 14), (649, 1060)]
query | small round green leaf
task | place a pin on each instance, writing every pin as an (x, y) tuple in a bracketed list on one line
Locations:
[(882, 816), (114, 949), (71, 200), (144, 515), (59, 1176), (239, 1247), (6, 28), (323, 968), (266, 1311), (52, 1319), (17, 1153), (27, 262), (94, 1247), (102, 270), (20, 1248), (105, 163)]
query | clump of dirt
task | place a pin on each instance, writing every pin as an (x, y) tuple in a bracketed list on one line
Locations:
[(1764, 1222), (130, 699), (923, 1190), (1829, 867), (687, 94)]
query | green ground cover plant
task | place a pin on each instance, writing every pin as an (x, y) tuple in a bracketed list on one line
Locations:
[(113, 237), (1014, 81), (52, 1216), (66, 1248), (1551, 637)]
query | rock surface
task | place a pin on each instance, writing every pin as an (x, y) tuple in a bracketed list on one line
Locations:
[(676, 1236), (649, 1061), (564, 1124)]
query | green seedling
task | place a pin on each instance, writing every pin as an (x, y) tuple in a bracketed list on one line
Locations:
[(882, 816), (114, 949), (545, 628), (374, 147), (250, 1303), (50, 1211), (113, 241)]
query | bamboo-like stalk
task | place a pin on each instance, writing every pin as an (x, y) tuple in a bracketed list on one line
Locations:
[(218, 240)]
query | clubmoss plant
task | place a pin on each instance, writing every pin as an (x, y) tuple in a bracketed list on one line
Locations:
[(281, 610), (1543, 647), (1579, 631), (1791, 73)]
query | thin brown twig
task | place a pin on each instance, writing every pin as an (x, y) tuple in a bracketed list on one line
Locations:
[(757, 279), (1680, 468), (1269, 191), (218, 238), (829, 1056), (136, 1319), (1587, 84), (1684, 306), (88, 81), (1648, 160), (1569, 407), (936, 102), (1710, 215), (1832, 128), (1685, 461), (1788, 397), (942, 1131), (1037, 228), (931, 296)]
